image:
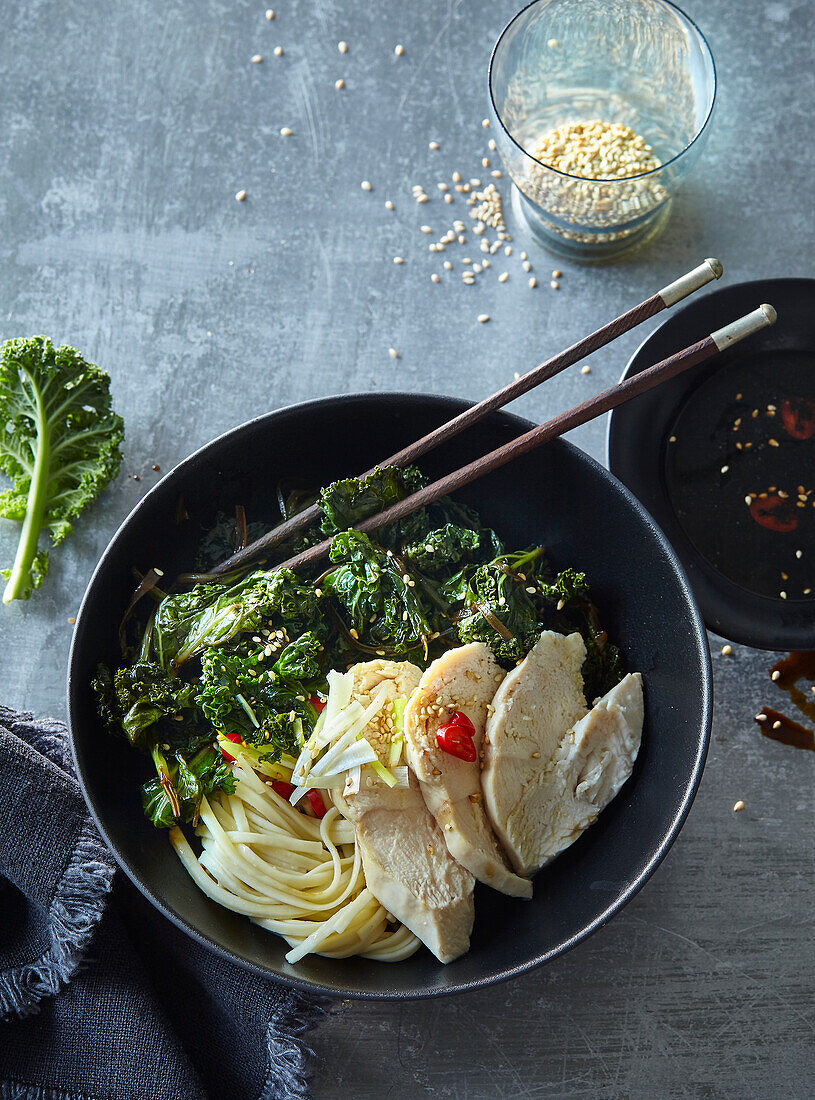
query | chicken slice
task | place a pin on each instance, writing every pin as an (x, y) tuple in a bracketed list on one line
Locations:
[(575, 778), (465, 680), (406, 863), (537, 703)]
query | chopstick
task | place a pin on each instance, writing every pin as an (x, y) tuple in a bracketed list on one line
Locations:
[(595, 406), (671, 294)]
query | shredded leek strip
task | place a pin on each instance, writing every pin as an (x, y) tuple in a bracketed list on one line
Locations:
[(297, 876)]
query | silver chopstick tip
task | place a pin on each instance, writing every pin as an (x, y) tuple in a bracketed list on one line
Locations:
[(691, 281), (745, 326)]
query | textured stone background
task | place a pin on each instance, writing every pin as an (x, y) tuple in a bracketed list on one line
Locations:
[(126, 131)]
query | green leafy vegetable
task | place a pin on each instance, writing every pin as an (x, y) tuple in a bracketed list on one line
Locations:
[(59, 445), (144, 704), (175, 793), (379, 599), (345, 503)]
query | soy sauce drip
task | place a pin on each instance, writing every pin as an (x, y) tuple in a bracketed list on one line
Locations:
[(780, 727)]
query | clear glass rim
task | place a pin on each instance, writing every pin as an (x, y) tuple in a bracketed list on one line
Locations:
[(611, 179)]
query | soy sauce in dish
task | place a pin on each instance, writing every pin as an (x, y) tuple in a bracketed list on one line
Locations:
[(786, 675), (740, 472)]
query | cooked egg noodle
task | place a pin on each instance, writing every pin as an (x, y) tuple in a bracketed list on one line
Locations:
[(298, 876)]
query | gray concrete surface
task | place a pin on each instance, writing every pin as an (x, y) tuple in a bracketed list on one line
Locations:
[(126, 131)]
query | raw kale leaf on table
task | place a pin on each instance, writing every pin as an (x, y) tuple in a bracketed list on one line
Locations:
[(247, 657), (59, 445)]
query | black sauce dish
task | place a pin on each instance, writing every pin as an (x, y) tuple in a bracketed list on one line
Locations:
[(695, 448), (558, 496)]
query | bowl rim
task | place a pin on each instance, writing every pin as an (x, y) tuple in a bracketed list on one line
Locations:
[(611, 179), (656, 857), (715, 593)]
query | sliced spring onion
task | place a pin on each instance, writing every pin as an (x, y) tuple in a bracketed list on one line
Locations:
[(252, 754), (380, 770), (249, 711)]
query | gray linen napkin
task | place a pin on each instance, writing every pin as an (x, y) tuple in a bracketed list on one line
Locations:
[(102, 998)]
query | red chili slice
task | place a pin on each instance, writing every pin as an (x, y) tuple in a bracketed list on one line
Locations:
[(317, 703), (317, 804), (774, 513), (236, 737), (461, 719), (281, 787), (798, 416), (457, 741)]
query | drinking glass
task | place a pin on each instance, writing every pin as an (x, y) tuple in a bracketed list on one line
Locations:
[(641, 63)]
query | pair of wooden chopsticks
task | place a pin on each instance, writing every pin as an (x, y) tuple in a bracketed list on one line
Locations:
[(601, 403)]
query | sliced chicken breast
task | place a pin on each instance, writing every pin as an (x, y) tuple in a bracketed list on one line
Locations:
[(533, 709), (407, 866), (565, 788), (465, 680)]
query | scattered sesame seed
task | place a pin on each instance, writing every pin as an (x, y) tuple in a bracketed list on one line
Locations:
[(502, 278), (425, 229), (366, 185), (435, 278), (399, 50), (776, 675), (447, 265), (270, 14), (240, 196), (773, 442), (554, 284), (485, 122), (448, 198), (277, 51), (727, 650), (398, 260), (71, 620), (738, 807), (798, 553), (748, 500), (339, 84), (393, 353), (533, 282), (483, 318), (585, 369), (761, 717), (556, 274), (724, 469), (389, 205), (776, 725), (286, 132), (496, 173), (553, 43), (342, 47), (433, 145), (783, 595), (256, 59)]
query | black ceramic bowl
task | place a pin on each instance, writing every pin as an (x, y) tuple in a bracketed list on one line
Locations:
[(698, 406), (559, 496)]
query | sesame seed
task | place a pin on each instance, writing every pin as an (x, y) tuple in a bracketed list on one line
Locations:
[(724, 469), (738, 807), (399, 50), (448, 198), (286, 132), (776, 725), (536, 756), (783, 595), (447, 265), (398, 260), (366, 185), (561, 604), (799, 553), (556, 274), (761, 717), (485, 122), (388, 204), (425, 229), (342, 47), (553, 43), (435, 278), (748, 500), (483, 318), (776, 675), (727, 650), (533, 282), (586, 369), (256, 59), (270, 14), (393, 353), (339, 84), (433, 145), (240, 196), (773, 442), (491, 144), (554, 284), (502, 278)]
